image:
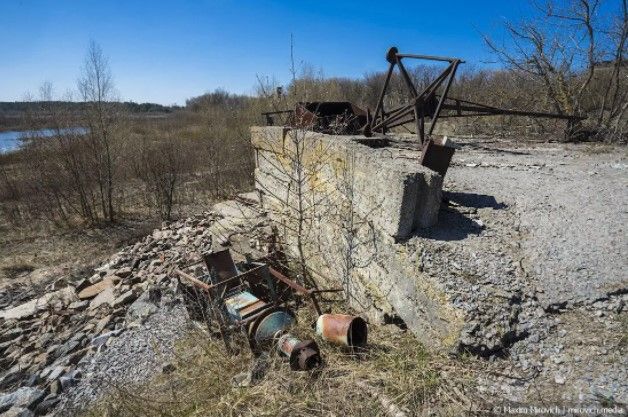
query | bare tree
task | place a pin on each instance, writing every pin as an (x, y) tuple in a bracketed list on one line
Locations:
[(568, 50), (160, 165), (102, 117)]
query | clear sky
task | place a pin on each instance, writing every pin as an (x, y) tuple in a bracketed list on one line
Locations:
[(167, 51)]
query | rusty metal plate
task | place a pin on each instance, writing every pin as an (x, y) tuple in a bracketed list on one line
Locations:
[(221, 263), (437, 157)]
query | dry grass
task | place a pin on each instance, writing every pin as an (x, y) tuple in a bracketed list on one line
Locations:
[(38, 246), (395, 376)]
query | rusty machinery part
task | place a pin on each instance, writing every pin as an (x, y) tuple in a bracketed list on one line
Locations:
[(245, 298), (432, 100), (436, 155), (303, 354), (242, 305), (220, 264), (342, 329), (269, 325), (331, 117)]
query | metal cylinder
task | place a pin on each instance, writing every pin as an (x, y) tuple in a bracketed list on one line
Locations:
[(342, 329), (265, 328), (303, 355)]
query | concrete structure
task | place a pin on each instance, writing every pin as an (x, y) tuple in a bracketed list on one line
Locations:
[(386, 183), (348, 206)]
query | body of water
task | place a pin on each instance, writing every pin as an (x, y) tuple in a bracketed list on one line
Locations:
[(11, 140)]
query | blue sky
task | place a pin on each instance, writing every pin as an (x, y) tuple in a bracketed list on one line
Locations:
[(167, 51)]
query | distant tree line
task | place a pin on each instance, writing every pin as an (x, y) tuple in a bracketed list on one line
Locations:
[(130, 106)]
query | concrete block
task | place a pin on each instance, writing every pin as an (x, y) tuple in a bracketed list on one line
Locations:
[(355, 205)]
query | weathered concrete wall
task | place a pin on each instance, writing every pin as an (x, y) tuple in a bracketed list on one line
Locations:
[(399, 196), (347, 208)]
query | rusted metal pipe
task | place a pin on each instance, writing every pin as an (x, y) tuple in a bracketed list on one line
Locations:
[(197, 282), (299, 289), (304, 355), (342, 329)]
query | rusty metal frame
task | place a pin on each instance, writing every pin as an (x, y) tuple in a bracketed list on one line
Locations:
[(224, 279), (238, 301), (430, 103)]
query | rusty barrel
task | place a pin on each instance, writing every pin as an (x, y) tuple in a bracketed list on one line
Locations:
[(342, 329)]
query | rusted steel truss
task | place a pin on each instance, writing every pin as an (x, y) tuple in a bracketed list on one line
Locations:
[(433, 102)]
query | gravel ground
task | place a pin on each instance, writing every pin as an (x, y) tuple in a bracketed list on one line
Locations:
[(571, 204), (134, 357), (543, 225)]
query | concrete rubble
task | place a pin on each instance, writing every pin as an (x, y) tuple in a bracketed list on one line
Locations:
[(48, 341)]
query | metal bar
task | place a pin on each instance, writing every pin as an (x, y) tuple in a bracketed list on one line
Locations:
[(431, 89), (406, 77), (392, 119), (206, 286), (290, 283), (380, 101), (447, 116), (434, 117), (395, 112), (401, 123), (400, 108), (297, 287), (193, 280), (429, 57), (421, 125), (494, 111)]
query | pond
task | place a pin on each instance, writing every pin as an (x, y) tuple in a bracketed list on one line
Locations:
[(11, 140)]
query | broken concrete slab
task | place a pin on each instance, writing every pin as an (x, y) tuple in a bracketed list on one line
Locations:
[(32, 307), (107, 296), (24, 397), (94, 290), (124, 272), (125, 298)]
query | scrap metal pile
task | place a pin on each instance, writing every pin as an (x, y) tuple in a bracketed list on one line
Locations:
[(258, 300), (431, 103)]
